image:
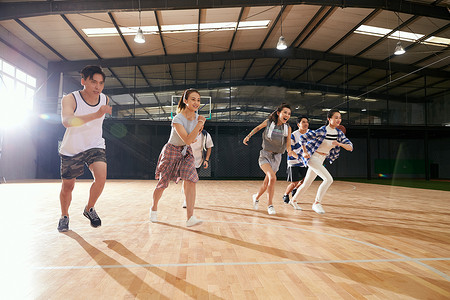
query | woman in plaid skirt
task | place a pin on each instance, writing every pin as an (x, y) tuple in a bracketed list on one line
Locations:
[(176, 161)]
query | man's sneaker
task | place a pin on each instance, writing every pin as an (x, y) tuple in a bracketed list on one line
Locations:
[(184, 203), (293, 192), (193, 221), (295, 205), (255, 201), (317, 207), (271, 210), (286, 199), (91, 214), (63, 224), (153, 216)]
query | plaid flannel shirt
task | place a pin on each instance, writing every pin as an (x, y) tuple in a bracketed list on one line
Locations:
[(314, 138)]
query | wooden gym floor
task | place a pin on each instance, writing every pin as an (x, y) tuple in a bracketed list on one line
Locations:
[(374, 242)]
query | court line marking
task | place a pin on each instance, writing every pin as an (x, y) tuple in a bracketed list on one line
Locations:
[(442, 274), (404, 257)]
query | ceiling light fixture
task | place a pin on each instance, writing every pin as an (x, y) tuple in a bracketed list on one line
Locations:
[(281, 45), (399, 50), (139, 38), (403, 36)]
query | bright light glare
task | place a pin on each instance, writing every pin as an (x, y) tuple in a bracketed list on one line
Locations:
[(14, 110), (51, 118), (112, 31), (402, 35), (44, 116), (11, 115)]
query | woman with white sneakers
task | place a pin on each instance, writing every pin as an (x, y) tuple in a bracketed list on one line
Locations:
[(318, 145), (276, 140)]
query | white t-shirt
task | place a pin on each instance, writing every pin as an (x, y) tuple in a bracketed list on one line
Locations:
[(189, 125), (197, 147)]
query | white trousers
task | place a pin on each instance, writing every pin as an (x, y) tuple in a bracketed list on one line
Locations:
[(315, 167)]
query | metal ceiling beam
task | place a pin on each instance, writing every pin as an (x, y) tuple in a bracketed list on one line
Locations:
[(220, 110), (245, 54), (162, 42), (409, 47), (253, 110), (23, 54), (255, 82), (240, 108), (130, 51), (321, 21), (198, 45), (80, 36), (412, 19), (12, 10), (417, 42), (85, 42), (274, 24), (342, 39), (224, 100), (232, 40), (113, 20), (36, 36), (428, 86), (304, 30), (438, 94)]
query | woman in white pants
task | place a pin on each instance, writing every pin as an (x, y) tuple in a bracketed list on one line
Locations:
[(317, 145)]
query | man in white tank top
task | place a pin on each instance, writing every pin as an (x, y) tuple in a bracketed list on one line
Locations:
[(82, 114)]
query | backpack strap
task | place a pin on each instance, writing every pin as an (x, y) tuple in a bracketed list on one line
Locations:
[(204, 137)]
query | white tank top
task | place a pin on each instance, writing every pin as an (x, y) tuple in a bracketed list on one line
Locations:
[(90, 134)]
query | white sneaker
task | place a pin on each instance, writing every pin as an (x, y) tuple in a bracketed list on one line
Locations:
[(153, 216), (255, 201), (295, 205), (317, 207), (193, 221), (184, 203), (271, 210)]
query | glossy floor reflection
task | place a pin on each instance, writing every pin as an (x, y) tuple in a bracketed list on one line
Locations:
[(377, 242)]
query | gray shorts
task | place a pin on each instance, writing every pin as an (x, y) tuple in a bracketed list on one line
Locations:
[(271, 158)]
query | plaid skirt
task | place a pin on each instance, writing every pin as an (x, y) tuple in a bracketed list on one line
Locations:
[(173, 166)]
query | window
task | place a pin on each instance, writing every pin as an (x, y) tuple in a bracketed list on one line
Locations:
[(17, 90)]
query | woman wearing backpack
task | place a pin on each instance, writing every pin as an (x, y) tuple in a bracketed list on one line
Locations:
[(276, 140)]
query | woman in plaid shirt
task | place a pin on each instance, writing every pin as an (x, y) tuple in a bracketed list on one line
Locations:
[(317, 145), (176, 160)]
